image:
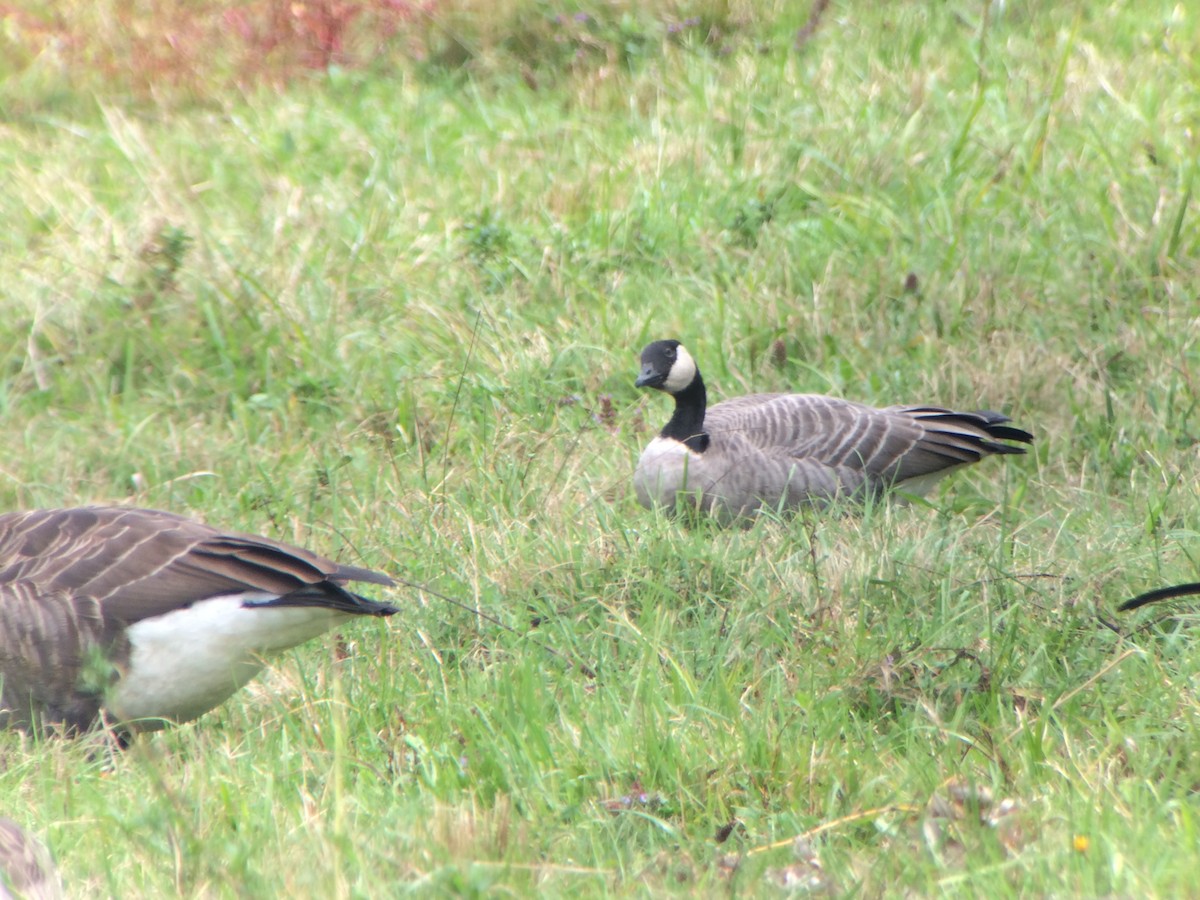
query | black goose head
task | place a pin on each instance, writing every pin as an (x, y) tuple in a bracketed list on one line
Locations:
[(667, 366)]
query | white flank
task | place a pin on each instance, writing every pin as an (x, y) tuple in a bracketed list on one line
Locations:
[(683, 370), (188, 661)]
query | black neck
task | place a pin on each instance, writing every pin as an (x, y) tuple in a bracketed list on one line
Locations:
[(687, 424)]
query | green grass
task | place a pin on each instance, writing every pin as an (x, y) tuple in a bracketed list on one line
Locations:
[(392, 312)]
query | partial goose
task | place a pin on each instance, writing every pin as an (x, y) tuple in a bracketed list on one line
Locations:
[(1166, 593), (780, 451), (148, 617), (26, 869)]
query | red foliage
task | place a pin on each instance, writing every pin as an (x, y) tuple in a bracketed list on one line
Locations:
[(316, 34), (166, 43)]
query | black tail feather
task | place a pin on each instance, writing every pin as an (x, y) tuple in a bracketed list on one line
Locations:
[(994, 425), (990, 421)]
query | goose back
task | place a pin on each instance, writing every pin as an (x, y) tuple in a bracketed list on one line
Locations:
[(74, 581)]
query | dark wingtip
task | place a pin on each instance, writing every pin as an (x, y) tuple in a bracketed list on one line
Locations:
[(373, 608), (329, 595), (987, 420), (995, 447), (1167, 593), (1008, 433), (992, 417), (364, 606)]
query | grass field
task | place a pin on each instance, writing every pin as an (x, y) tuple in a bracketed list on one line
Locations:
[(391, 309)]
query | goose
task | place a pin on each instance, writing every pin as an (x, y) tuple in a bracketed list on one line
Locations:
[(782, 451), (26, 869), (139, 617)]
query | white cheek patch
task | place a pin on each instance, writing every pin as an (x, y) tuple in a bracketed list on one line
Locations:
[(682, 372)]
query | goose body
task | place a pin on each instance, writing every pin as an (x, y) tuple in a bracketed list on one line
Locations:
[(782, 451), (26, 870), (145, 616)]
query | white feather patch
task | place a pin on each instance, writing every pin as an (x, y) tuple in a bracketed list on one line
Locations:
[(188, 661), (662, 471)]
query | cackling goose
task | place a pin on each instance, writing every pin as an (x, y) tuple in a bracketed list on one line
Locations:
[(774, 451), (149, 617)]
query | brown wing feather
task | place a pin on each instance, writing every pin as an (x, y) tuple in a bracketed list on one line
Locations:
[(140, 563), (39, 677), (827, 430)]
